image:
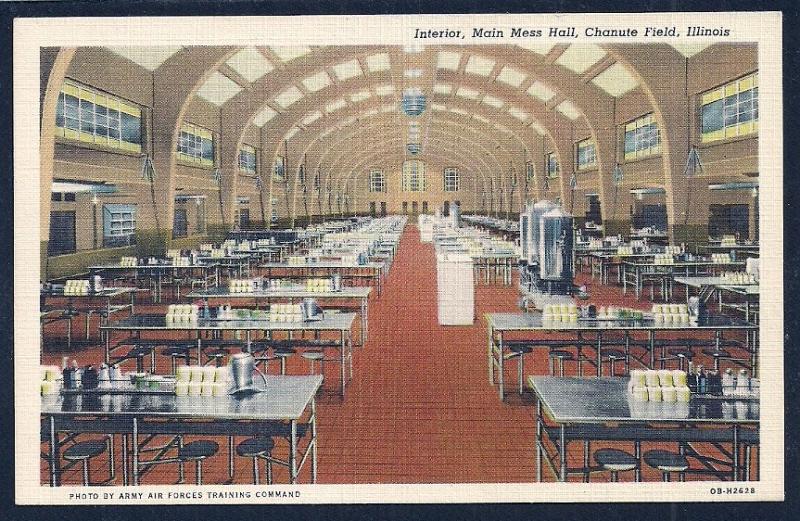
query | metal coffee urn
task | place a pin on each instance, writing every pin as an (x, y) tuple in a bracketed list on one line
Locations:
[(529, 242), (555, 251)]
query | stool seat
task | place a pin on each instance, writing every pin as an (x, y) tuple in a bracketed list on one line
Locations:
[(85, 450), (138, 351), (253, 447), (615, 460), (520, 348), (558, 353), (313, 355), (680, 351), (613, 353), (721, 353), (284, 351), (666, 461), (199, 449), (176, 351)]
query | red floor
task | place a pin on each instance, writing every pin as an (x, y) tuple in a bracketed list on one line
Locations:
[(420, 408)]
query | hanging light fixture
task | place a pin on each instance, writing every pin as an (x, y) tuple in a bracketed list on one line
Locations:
[(413, 102)]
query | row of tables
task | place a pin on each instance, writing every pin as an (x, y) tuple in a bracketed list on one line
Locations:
[(286, 405)]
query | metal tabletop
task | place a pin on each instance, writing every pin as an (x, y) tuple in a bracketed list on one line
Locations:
[(330, 322), (606, 399), (533, 322), (699, 282), (103, 293), (283, 398), (349, 292), (323, 265)]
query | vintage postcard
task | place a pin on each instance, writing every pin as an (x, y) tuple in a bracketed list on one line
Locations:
[(359, 259)]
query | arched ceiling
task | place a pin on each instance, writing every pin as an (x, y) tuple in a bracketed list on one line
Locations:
[(304, 94)]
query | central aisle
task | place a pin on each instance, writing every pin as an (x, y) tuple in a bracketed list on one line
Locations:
[(420, 408)]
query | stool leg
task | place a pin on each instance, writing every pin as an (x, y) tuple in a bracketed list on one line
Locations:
[(520, 371), (614, 476), (85, 472), (181, 474), (552, 366), (269, 471), (139, 364), (198, 472), (561, 367), (174, 365), (283, 365), (255, 470), (665, 476)]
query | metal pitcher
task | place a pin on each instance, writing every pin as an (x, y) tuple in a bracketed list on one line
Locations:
[(336, 282), (311, 310), (243, 365)]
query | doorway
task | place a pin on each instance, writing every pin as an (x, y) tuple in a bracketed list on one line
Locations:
[(62, 233)]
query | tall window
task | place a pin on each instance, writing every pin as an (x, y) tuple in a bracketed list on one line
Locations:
[(90, 116), (730, 110), (529, 170), (587, 156), (377, 181), (552, 165), (451, 178), (414, 176), (301, 175), (642, 137), (196, 145), (119, 225), (274, 208), (279, 169), (247, 159)]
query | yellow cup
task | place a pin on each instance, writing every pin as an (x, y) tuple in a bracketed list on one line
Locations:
[(679, 378), (654, 394), (668, 394), (181, 388), (683, 394), (665, 378), (651, 378)]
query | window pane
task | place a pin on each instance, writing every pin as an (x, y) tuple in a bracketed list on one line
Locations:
[(207, 146), (60, 111), (131, 128), (712, 116), (87, 116)]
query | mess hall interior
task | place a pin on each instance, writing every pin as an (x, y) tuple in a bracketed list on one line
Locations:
[(399, 264)]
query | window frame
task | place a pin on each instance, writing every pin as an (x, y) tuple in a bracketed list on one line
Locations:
[(451, 179), (645, 137), (553, 166), (414, 179), (192, 144), (84, 130), (249, 154), (585, 154), (377, 181), (727, 100), (123, 215)]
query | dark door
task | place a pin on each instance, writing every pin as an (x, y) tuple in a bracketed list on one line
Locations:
[(414, 208), (383, 208), (244, 218), (62, 233), (372, 209), (424, 206), (405, 207), (729, 219), (179, 224), (446, 209)]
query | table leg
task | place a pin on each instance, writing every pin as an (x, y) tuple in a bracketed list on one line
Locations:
[(599, 354), (490, 353), (55, 476), (363, 321), (342, 356), (230, 458), (735, 451), (651, 338), (563, 450), (293, 453), (500, 376), (125, 470), (313, 440), (135, 450), (539, 429)]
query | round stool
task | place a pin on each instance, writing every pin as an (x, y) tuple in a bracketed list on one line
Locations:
[(138, 353), (562, 356), (84, 451), (197, 451), (282, 353), (176, 352), (615, 461), (314, 356), (257, 448), (519, 351), (217, 356), (613, 356), (682, 355), (717, 355), (667, 462)]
